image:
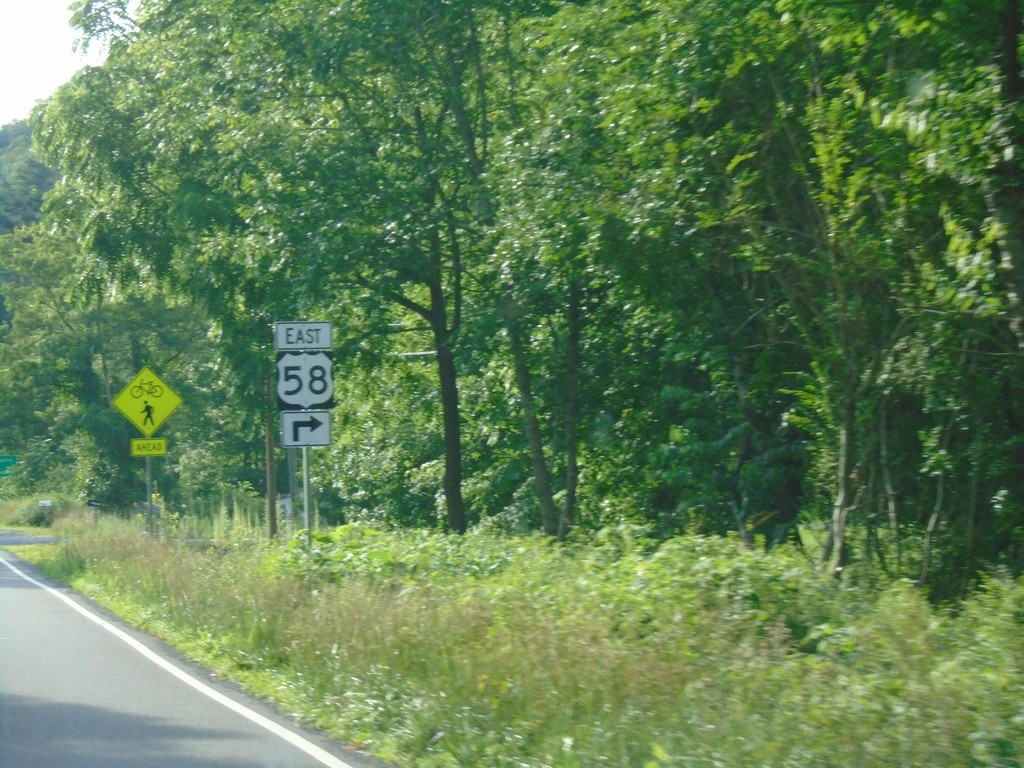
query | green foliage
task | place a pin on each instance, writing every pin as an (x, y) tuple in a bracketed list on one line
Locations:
[(485, 649), (23, 179), (694, 265), (70, 349), (31, 514)]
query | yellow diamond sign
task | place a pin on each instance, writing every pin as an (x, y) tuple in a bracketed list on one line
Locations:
[(147, 402)]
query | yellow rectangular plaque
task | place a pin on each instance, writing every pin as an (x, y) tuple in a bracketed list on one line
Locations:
[(151, 446)]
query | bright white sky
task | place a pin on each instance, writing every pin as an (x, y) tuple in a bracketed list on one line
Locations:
[(36, 54)]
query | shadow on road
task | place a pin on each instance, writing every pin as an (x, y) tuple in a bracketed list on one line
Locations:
[(42, 734)]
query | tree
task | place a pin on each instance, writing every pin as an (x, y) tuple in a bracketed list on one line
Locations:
[(597, 203), (727, 273), (23, 179), (68, 352), (764, 182), (345, 159)]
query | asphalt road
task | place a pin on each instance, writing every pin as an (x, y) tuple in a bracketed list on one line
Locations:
[(80, 689)]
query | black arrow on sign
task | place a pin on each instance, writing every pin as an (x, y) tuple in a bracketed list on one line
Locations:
[(312, 423)]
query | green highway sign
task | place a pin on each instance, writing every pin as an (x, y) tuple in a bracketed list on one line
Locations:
[(6, 464)]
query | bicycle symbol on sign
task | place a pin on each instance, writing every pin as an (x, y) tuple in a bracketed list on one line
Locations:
[(146, 388)]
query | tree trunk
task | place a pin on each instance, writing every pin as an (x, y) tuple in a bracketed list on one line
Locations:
[(744, 452), (455, 506), (437, 315), (572, 410), (836, 552), (541, 477), (940, 495), (456, 509), (1006, 199), (933, 522), (890, 491)]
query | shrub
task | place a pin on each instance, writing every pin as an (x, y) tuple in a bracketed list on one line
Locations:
[(486, 649), (33, 515)]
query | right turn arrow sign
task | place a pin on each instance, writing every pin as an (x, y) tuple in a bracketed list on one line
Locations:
[(300, 429)]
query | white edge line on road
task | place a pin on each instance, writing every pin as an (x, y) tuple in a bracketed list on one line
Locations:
[(297, 741)]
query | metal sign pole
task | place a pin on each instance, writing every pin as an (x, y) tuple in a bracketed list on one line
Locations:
[(305, 494), (293, 485), (149, 495), (305, 385)]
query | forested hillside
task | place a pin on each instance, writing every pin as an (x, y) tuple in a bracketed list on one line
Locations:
[(23, 182), (696, 265), (23, 179)]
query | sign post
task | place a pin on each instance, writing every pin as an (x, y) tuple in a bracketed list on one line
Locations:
[(305, 392), (147, 402)]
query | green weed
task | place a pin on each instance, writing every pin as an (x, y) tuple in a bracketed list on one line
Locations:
[(485, 650)]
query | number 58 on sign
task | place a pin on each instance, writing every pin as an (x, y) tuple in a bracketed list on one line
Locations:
[(304, 380)]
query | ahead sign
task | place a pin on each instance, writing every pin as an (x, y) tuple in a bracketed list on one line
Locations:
[(154, 446)]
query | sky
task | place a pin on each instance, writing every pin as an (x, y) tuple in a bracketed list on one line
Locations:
[(36, 54)]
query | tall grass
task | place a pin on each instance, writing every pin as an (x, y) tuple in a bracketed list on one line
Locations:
[(30, 516), (488, 651)]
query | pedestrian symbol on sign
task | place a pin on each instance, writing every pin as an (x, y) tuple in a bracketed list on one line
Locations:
[(147, 402)]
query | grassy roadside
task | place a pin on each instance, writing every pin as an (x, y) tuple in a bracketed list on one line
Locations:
[(22, 518), (29, 518), (485, 651)]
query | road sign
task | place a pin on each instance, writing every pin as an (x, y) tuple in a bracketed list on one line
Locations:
[(7, 465), (147, 402), (302, 429), (302, 335), (304, 380), (153, 446)]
